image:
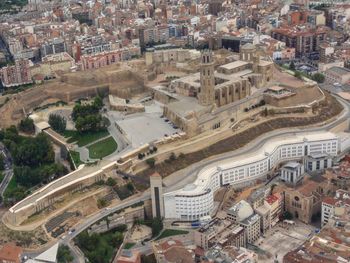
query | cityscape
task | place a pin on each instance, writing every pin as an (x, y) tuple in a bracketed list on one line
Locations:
[(174, 131)]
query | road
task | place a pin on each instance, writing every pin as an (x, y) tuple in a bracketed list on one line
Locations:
[(8, 170), (189, 174)]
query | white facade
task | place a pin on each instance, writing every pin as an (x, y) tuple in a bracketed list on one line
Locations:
[(197, 199), (292, 172), (327, 211)]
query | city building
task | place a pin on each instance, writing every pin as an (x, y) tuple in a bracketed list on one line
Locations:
[(332, 206), (270, 211), (10, 253), (102, 59), (318, 162), (331, 245), (53, 46), (231, 254), (196, 200), (292, 173), (172, 251), (251, 227), (17, 74), (340, 174), (305, 40), (215, 95), (243, 214), (153, 56), (240, 211), (304, 201), (337, 75), (219, 231)]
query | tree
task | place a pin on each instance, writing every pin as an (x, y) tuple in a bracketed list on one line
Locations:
[(292, 66), (57, 123), (157, 226), (2, 162), (318, 77), (151, 162), (26, 125), (298, 75), (98, 102), (64, 255), (130, 187), (101, 202), (111, 181), (148, 259), (287, 215), (172, 157)]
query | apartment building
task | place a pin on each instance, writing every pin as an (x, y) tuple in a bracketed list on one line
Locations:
[(304, 40), (17, 74), (333, 206)]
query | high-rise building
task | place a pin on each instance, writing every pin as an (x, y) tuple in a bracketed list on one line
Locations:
[(157, 195), (206, 96)]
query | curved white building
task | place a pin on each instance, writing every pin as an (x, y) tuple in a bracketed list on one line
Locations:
[(197, 200)]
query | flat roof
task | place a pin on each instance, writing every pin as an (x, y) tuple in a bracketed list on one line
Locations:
[(340, 70), (276, 88), (202, 181), (234, 64)]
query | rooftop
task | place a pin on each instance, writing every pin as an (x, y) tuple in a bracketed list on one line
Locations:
[(10, 253)]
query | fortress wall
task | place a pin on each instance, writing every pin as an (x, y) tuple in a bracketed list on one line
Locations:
[(17, 215)]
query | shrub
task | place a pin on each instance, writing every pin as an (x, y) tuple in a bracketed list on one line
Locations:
[(151, 162)]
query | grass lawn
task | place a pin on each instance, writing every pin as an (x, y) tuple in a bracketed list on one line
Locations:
[(76, 158), (84, 138), (102, 148), (129, 245), (172, 232)]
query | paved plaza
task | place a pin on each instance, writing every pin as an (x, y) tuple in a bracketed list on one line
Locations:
[(146, 127)]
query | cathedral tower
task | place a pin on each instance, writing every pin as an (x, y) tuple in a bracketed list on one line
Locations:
[(206, 96)]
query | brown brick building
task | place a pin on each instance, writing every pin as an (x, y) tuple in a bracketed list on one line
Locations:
[(304, 40)]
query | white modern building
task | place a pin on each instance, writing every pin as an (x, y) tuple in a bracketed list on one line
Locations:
[(197, 199), (292, 172), (317, 162)]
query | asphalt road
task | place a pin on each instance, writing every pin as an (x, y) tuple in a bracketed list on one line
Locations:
[(8, 170), (195, 169)]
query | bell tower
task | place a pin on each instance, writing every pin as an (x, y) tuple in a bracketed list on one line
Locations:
[(206, 95)]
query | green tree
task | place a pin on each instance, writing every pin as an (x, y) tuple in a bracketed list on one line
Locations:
[(26, 125), (98, 102), (101, 202), (151, 162), (287, 215), (130, 187), (111, 181), (148, 259), (57, 123), (157, 226), (64, 255), (292, 66), (2, 162), (318, 77), (298, 75)]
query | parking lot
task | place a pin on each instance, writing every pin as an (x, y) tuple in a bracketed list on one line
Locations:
[(142, 128), (280, 240)]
